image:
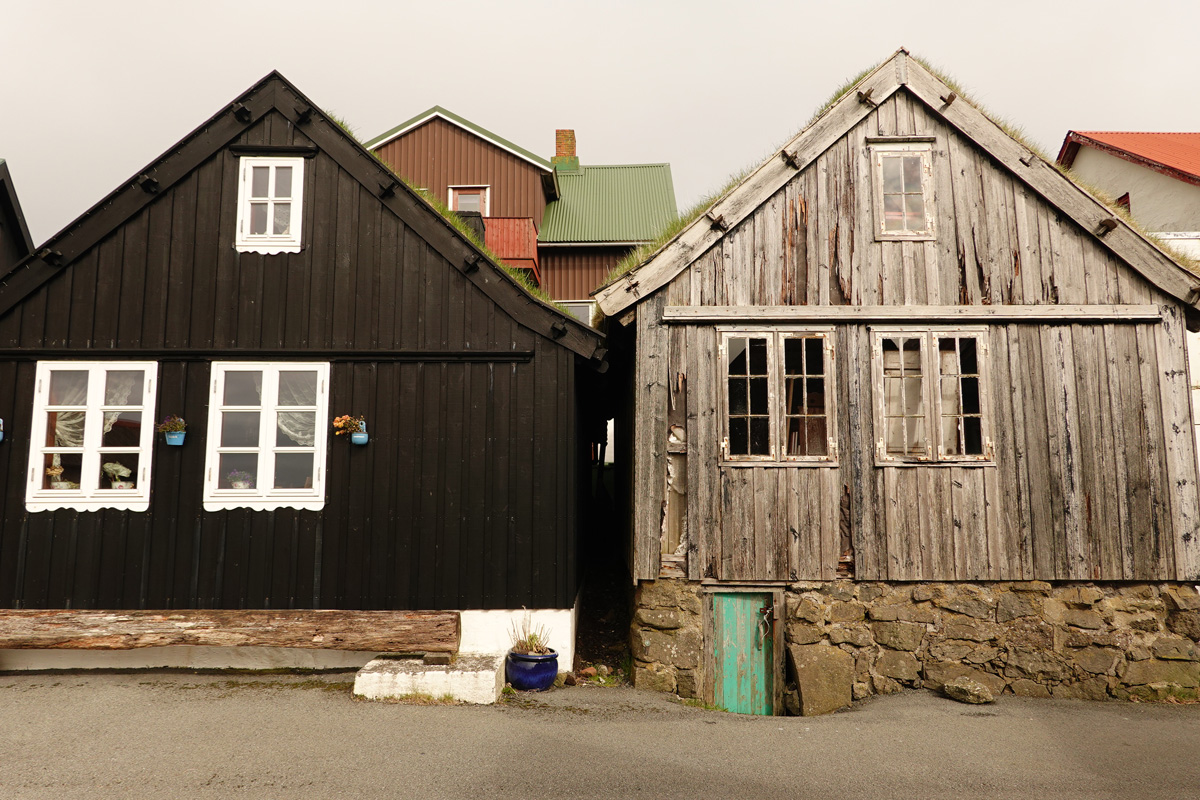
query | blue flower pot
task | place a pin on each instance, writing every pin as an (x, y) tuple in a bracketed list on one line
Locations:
[(358, 438), (175, 437), (531, 672)]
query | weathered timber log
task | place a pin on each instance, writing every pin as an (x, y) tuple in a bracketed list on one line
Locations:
[(379, 631)]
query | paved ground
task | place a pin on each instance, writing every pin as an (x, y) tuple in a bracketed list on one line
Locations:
[(157, 735)]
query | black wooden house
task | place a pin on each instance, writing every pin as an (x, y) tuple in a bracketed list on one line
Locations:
[(263, 276)]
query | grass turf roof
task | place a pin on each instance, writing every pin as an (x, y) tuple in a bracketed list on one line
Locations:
[(643, 253)]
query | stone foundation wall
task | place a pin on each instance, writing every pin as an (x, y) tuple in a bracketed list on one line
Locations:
[(852, 640)]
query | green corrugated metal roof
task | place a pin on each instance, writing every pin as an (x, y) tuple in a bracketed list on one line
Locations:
[(617, 203), (457, 120)]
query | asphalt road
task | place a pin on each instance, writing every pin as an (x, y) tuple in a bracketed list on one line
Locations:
[(171, 735)]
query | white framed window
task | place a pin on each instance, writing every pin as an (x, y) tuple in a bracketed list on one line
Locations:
[(579, 309), (777, 389), (932, 393), (270, 204), (267, 432), (92, 435), (471, 198), (902, 180)]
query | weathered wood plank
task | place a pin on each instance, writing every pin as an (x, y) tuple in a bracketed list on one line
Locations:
[(1131, 415), (1161, 547), (703, 434), (383, 631), (916, 313), (1180, 444), (856, 368), (650, 448)]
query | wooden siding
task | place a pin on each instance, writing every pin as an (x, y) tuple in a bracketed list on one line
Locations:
[(465, 497), (438, 154), (573, 273), (1092, 479)]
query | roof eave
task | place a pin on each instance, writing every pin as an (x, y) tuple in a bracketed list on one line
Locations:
[(1067, 155), (14, 204)]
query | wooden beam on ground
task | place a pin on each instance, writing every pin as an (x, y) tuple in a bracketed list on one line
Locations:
[(683, 315), (378, 631)]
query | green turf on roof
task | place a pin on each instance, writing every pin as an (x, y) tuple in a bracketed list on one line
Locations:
[(617, 203)]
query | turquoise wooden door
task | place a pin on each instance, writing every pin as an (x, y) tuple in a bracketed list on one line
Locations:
[(745, 652)]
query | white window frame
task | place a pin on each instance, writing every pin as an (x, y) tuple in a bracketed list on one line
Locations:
[(269, 243), (484, 190), (879, 151), (586, 307), (264, 497), (89, 497), (935, 451), (776, 381)]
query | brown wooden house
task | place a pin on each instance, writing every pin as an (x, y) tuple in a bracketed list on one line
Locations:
[(911, 406), (263, 276)]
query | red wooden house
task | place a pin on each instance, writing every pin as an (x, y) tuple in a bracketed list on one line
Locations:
[(584, 218)]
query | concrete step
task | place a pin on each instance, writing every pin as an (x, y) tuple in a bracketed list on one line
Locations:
[(469, 678)]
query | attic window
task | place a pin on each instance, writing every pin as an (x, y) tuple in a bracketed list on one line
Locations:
[(470, 198), (270, 205), (902, 174)]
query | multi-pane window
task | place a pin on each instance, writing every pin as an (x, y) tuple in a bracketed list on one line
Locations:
[(902, 180), (931, 388), (270, 204), (266, 436), (91, 435), (777, 388)]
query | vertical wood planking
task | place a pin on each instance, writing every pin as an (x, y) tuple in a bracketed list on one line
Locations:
[(650, 387), (1170, 342)]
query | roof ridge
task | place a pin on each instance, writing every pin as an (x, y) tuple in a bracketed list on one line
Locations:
[(457, 119)]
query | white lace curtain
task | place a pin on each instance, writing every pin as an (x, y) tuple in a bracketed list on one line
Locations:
[(295, 389), (69, 425)]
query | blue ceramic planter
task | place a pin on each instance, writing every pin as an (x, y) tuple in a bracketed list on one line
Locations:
[(358, 438), (531, 672), (175, 438)]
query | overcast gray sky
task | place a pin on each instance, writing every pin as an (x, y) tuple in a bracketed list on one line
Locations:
[(92, 92)]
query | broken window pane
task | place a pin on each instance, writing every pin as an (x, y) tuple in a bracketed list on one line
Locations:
[(961, 427), (748, 393)]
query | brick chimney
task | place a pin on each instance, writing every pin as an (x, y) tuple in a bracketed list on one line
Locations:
[(564, 150)]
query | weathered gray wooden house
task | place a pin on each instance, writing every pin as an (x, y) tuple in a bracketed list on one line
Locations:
[(909, 405)]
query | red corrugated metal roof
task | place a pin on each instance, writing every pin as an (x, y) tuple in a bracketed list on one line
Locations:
[(1175, 153), (514, 241)]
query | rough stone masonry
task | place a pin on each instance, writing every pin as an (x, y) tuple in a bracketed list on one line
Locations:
[(846, 641)]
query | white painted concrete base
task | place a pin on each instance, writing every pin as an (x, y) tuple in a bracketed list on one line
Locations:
[(470, 679), (490, 632)]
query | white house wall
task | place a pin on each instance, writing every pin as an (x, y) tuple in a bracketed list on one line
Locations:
[(1159, 202)]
